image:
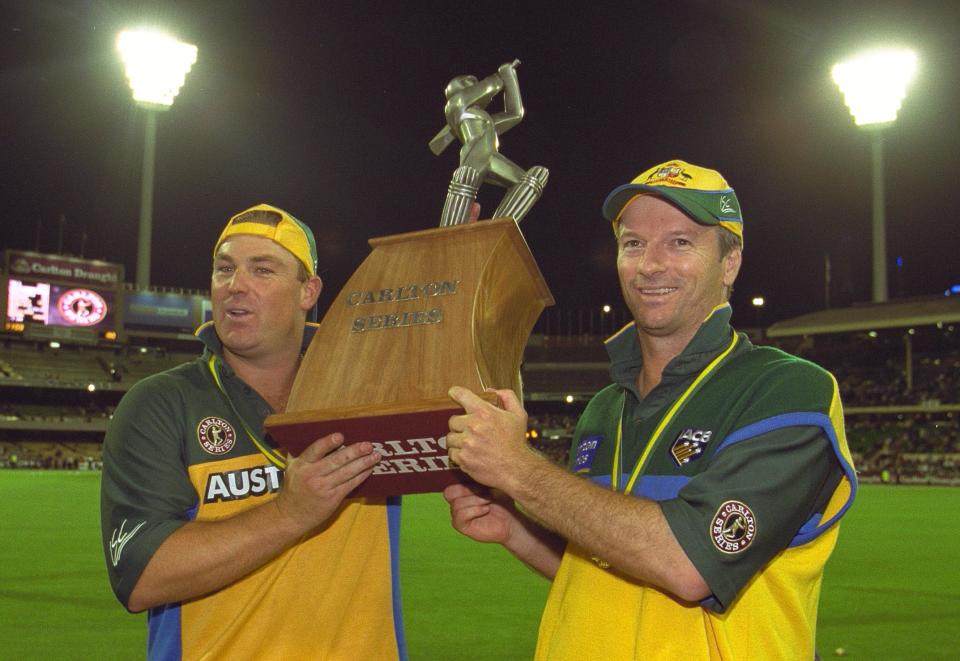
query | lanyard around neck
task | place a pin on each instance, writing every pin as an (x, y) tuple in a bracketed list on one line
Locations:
[(664, 422), (272, 455)]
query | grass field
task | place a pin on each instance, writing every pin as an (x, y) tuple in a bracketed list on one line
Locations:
[(892, 588)]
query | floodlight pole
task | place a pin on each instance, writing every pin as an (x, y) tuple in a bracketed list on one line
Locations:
[(874, 84), (145, 228), (156, 66), (879, 220)]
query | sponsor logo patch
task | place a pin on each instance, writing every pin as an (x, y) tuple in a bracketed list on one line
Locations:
[(734, 527), (242, 484), (689, 445), (586, 451), (216, 435)]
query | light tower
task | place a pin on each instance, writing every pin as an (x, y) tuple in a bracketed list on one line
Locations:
[(156, 66), (874, 84)]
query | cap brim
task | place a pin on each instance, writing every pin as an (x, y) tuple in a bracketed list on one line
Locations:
[(619, 198)]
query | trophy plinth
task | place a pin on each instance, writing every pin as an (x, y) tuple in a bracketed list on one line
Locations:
[(425, 311)]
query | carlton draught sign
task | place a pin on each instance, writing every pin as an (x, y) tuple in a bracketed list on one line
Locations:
[(57, 268)]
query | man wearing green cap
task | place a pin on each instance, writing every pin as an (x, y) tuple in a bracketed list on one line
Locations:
[(238, 551), (705, 483)]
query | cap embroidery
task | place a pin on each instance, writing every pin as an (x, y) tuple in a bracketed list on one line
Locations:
[(726, 206), (669, 173)]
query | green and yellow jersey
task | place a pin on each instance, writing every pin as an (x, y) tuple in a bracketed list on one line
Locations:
[(744, 449), (182, 448)]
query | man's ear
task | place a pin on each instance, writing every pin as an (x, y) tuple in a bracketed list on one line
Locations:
[(310, 292), (731, 266)]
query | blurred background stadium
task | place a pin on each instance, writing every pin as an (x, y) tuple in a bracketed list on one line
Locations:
[(76, 337)]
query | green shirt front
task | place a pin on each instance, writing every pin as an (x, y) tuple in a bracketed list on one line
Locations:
[(733, 432), (181, 448), (743, 449)]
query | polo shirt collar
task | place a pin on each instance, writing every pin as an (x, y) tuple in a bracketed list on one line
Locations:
[(212, 343), (626, 359)]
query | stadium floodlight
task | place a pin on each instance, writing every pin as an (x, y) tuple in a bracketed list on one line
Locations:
[(758, 301), (156, 66), (874, 84)]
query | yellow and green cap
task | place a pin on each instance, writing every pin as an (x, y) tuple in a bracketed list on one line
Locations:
[(701, 193), (289, 232)]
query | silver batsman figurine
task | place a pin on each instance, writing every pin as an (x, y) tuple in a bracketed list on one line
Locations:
[(478, 130)]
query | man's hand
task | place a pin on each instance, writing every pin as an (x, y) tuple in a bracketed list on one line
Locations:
[(474, 212), (480, 514), (316, 482), (487, 442), (487, 515)]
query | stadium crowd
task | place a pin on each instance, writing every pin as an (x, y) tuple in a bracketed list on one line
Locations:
[(899, 389), (51, 455), (890, 368)]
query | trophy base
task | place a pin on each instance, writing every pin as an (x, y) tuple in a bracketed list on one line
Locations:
[(410, 439)]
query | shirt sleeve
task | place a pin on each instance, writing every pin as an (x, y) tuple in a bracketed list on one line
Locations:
[(747, 506), (145, 492)]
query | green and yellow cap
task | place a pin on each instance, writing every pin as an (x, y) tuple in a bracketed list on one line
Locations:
[(289, 232), (701, 193)]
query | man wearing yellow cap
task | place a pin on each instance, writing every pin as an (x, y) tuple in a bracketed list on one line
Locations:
[(705, 483), (238, 551)]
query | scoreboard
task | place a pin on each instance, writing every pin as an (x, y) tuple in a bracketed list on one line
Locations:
[(44, 293), (59, 305), (55, 296)]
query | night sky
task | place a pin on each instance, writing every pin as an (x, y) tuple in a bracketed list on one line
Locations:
[(326, 108)]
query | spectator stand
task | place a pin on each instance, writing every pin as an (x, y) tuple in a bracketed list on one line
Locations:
[(898, 368), (56, 397)]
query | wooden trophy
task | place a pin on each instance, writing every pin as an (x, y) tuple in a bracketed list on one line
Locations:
[(426, 311)]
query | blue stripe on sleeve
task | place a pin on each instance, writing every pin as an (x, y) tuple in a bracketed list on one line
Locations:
[(813, 527), (654, 487)]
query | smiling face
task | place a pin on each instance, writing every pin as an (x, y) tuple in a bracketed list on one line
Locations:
[(670, 268), (259, 303)]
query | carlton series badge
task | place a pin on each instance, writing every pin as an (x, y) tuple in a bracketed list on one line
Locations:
[(734, 527), (216, 435)]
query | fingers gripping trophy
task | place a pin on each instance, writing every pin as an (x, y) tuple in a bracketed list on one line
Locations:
[(480, 161)]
